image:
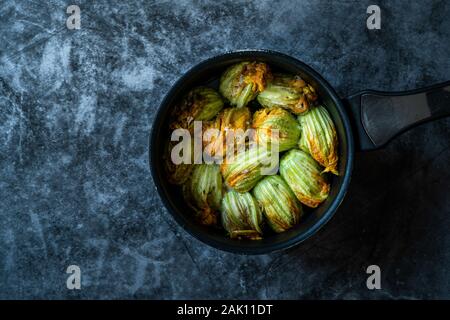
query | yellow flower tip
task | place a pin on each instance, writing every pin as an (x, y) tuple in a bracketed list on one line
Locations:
[(257, 74), (331, 169), (302, 105)]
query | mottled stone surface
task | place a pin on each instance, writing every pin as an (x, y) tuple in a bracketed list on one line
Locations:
[(76, 107)]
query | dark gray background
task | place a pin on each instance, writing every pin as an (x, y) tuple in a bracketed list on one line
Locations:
[(77, 107)]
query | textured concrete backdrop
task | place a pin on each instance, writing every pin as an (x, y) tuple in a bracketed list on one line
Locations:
[(77, 107)]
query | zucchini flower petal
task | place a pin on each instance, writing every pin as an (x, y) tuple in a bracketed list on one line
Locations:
[(229, 119), (320, 138), (280, 206), (203, 192), (303, 175), (288, 92), (176, 173), (248, 167), (200, 104), (266, 120), (241, 215), (242, 82), (302, 143)]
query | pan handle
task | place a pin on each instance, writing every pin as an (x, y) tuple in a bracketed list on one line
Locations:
[(378, 117)]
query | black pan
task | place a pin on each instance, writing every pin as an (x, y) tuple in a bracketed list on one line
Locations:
[(365, 121)]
